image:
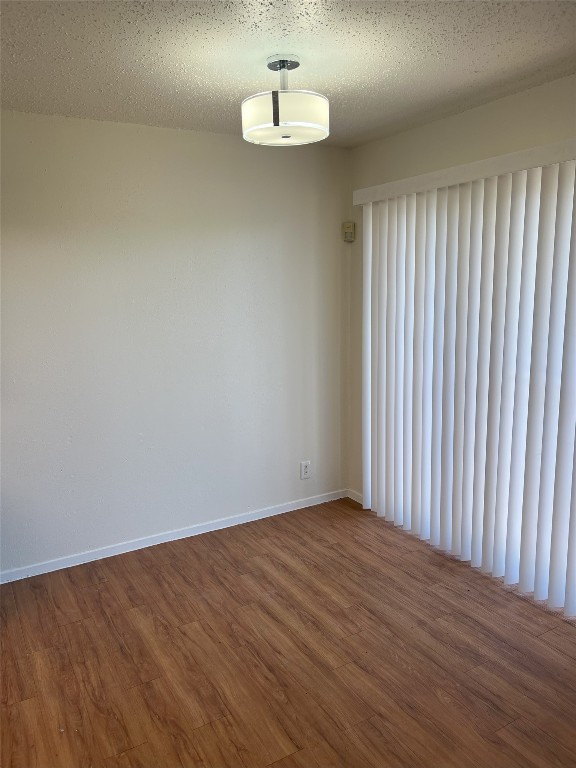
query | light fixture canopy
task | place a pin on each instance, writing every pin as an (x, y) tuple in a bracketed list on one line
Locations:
[(285, 118)]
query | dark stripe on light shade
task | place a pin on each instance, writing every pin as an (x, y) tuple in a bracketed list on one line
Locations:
[(275, 108)]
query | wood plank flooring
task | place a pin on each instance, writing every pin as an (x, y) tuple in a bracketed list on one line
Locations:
[(316, 639)]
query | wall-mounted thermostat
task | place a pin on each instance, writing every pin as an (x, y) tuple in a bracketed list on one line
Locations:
[(348, 231)]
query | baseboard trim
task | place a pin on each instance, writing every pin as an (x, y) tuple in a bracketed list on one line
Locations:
[(159, 538), (354, 495)]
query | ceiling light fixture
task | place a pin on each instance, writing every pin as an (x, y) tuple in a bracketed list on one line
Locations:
[(285, 118)]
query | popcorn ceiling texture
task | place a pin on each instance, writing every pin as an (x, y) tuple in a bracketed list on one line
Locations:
[(384, 65)]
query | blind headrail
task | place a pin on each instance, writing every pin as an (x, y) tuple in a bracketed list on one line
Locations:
[(461, 174)]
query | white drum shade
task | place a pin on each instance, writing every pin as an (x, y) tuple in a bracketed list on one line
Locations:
[(285, 118)]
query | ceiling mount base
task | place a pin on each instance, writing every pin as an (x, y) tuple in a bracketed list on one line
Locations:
[(280, 61)]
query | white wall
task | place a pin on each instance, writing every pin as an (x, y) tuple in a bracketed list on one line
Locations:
[(181, 322), (173, 319), (527, 119), (538, 116)]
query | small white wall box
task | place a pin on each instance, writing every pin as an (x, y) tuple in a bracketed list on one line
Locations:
[(348, 231)]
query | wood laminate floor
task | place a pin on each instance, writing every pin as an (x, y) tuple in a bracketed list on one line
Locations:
[(322, 637)]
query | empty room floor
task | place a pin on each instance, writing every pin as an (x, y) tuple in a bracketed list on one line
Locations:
[(322, 637)]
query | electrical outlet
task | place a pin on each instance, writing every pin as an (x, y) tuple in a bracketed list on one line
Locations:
[(305, 470)]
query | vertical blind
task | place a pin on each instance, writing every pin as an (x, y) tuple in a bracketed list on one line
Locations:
[(469, 373)]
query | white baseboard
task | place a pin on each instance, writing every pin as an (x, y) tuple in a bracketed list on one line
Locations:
[(354, 495), (159, 538)]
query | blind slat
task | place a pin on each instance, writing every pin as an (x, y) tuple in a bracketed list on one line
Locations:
[(428, 341), (367, 356), (463, 269), (483, 367), (501, 242), (472, 336), (535, 431), (409, 356), (379, 487), (522, 378), (390, 359), (566, 432), (376, 379), (553, 377), (438, 363), (513, 282), (418, 365), (399, 394), (448, 369)]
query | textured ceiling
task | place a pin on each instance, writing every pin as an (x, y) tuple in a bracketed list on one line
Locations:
[(384, 65)]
